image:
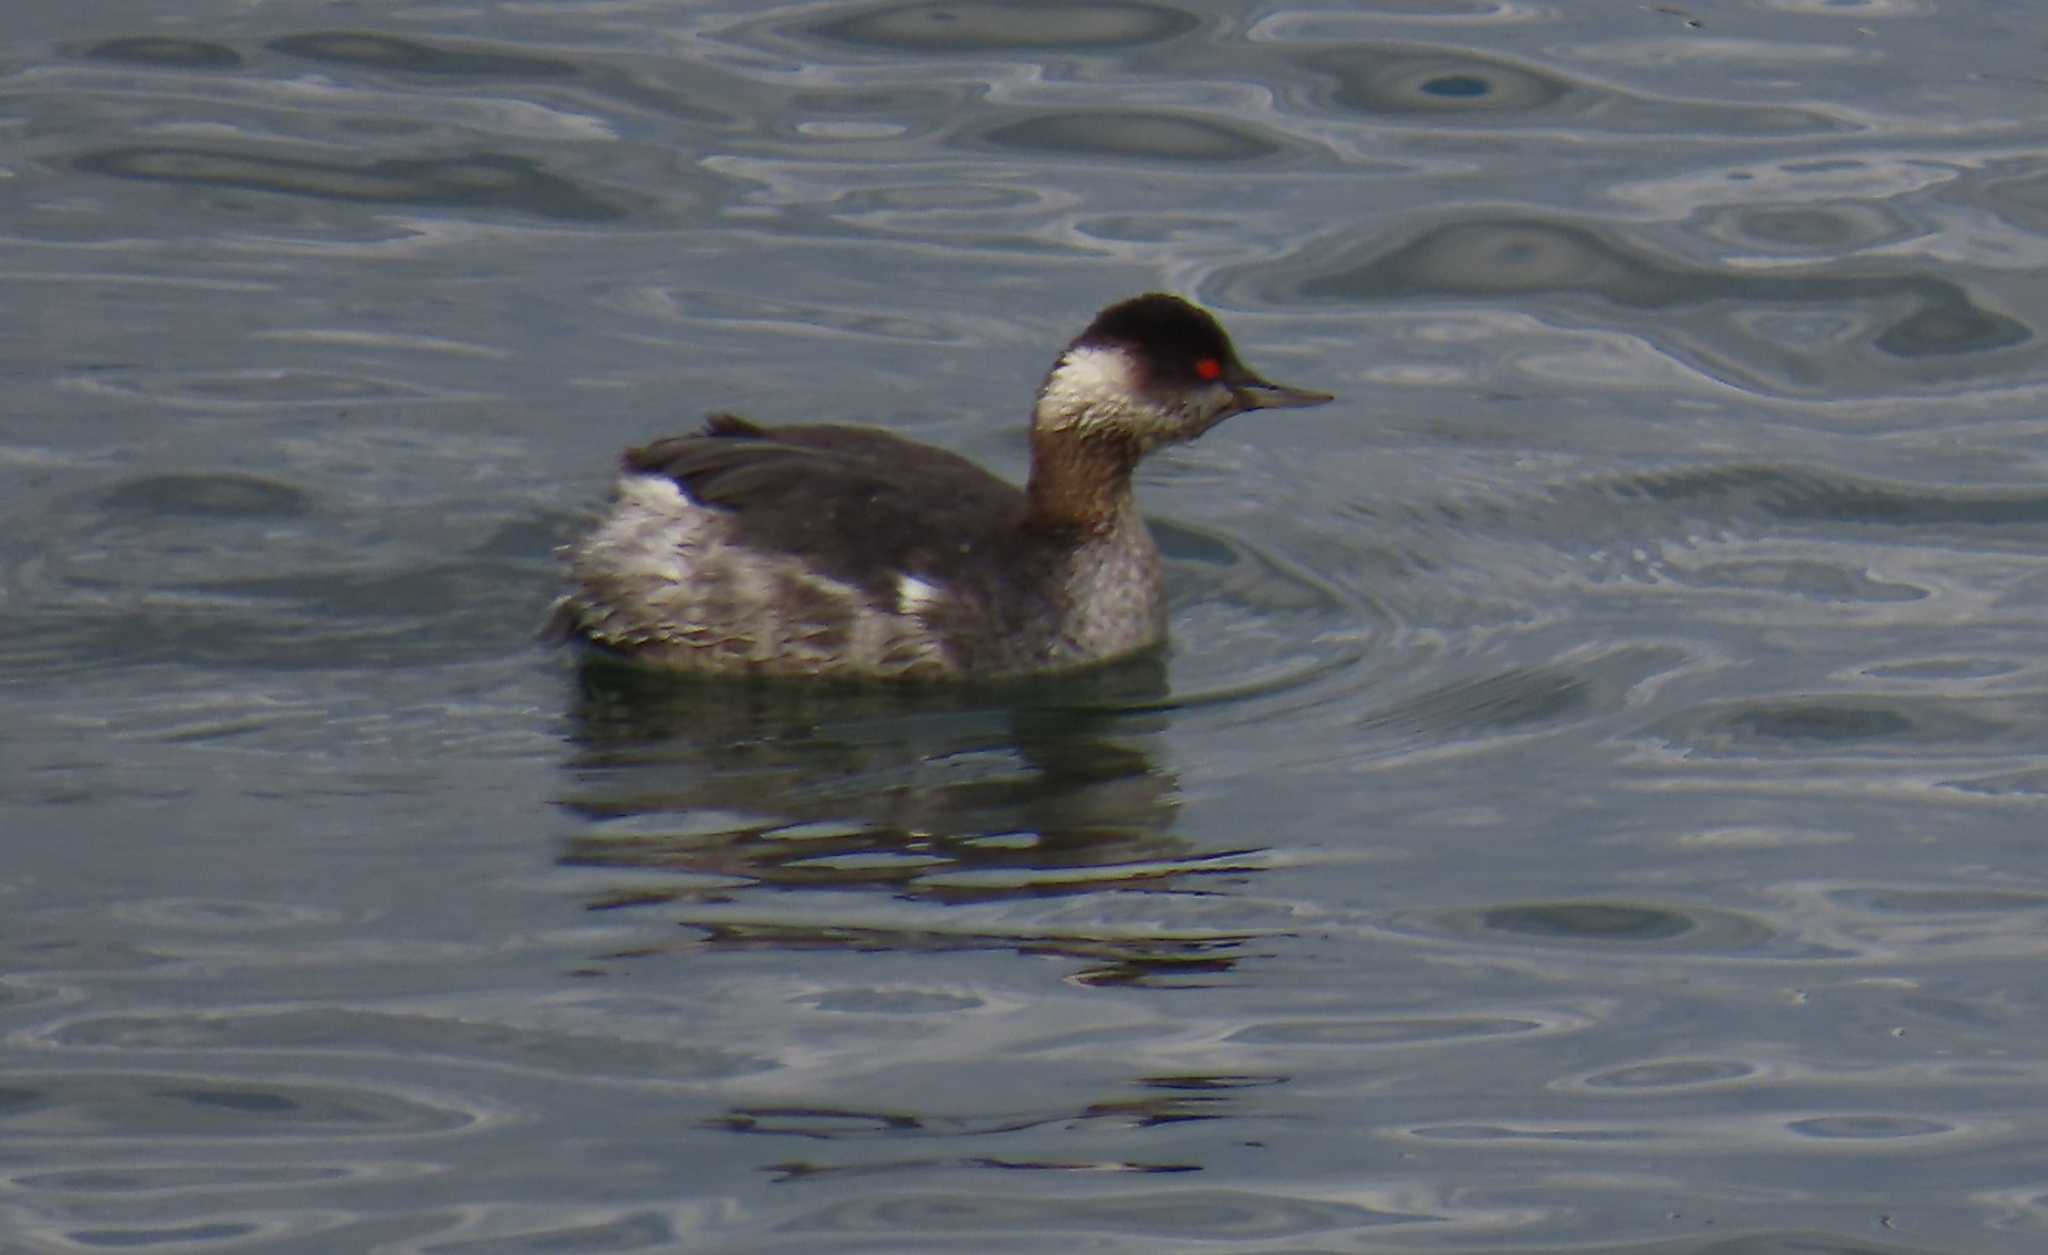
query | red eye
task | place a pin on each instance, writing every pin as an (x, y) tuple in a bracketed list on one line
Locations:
[(1209, 368)]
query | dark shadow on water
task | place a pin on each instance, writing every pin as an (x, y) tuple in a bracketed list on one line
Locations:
[(833, 1125), (1898, 727), (1127, 135), (895, 789), (1136, 1217), (1589, 927), (1515, 700), (806, 1170), (711, 793)]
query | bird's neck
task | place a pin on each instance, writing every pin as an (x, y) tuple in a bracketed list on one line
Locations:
[(1080, 480)]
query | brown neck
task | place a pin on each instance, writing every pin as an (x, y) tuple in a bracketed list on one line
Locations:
[(1079, 482)]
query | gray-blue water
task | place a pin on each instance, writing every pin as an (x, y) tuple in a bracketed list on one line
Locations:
[(1594, 801)]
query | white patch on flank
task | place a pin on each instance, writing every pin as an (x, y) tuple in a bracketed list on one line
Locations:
[(914, 596), (663, 579), (653, 526)]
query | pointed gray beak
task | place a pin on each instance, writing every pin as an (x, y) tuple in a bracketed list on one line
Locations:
[(1254, 393)]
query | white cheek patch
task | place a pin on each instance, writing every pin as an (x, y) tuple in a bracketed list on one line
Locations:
[(1089, 382), (1094, 388)]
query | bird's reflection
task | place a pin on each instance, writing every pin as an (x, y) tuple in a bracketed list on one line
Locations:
[(716, 794)]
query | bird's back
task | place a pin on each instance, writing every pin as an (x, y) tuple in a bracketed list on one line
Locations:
[(856, 503)]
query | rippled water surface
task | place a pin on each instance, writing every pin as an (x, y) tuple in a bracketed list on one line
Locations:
[(1594, 801)]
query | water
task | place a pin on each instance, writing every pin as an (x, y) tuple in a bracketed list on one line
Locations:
[(1593, 802)]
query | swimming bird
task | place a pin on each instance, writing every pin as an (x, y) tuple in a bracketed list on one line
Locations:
[(847, 552)]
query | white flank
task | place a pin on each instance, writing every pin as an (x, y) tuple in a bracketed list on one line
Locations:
[(653, 492), (914, 596), (663, 577), (652, 525)]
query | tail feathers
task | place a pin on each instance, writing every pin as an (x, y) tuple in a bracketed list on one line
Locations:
[(726, 423), (562, 625), (657, 457)]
